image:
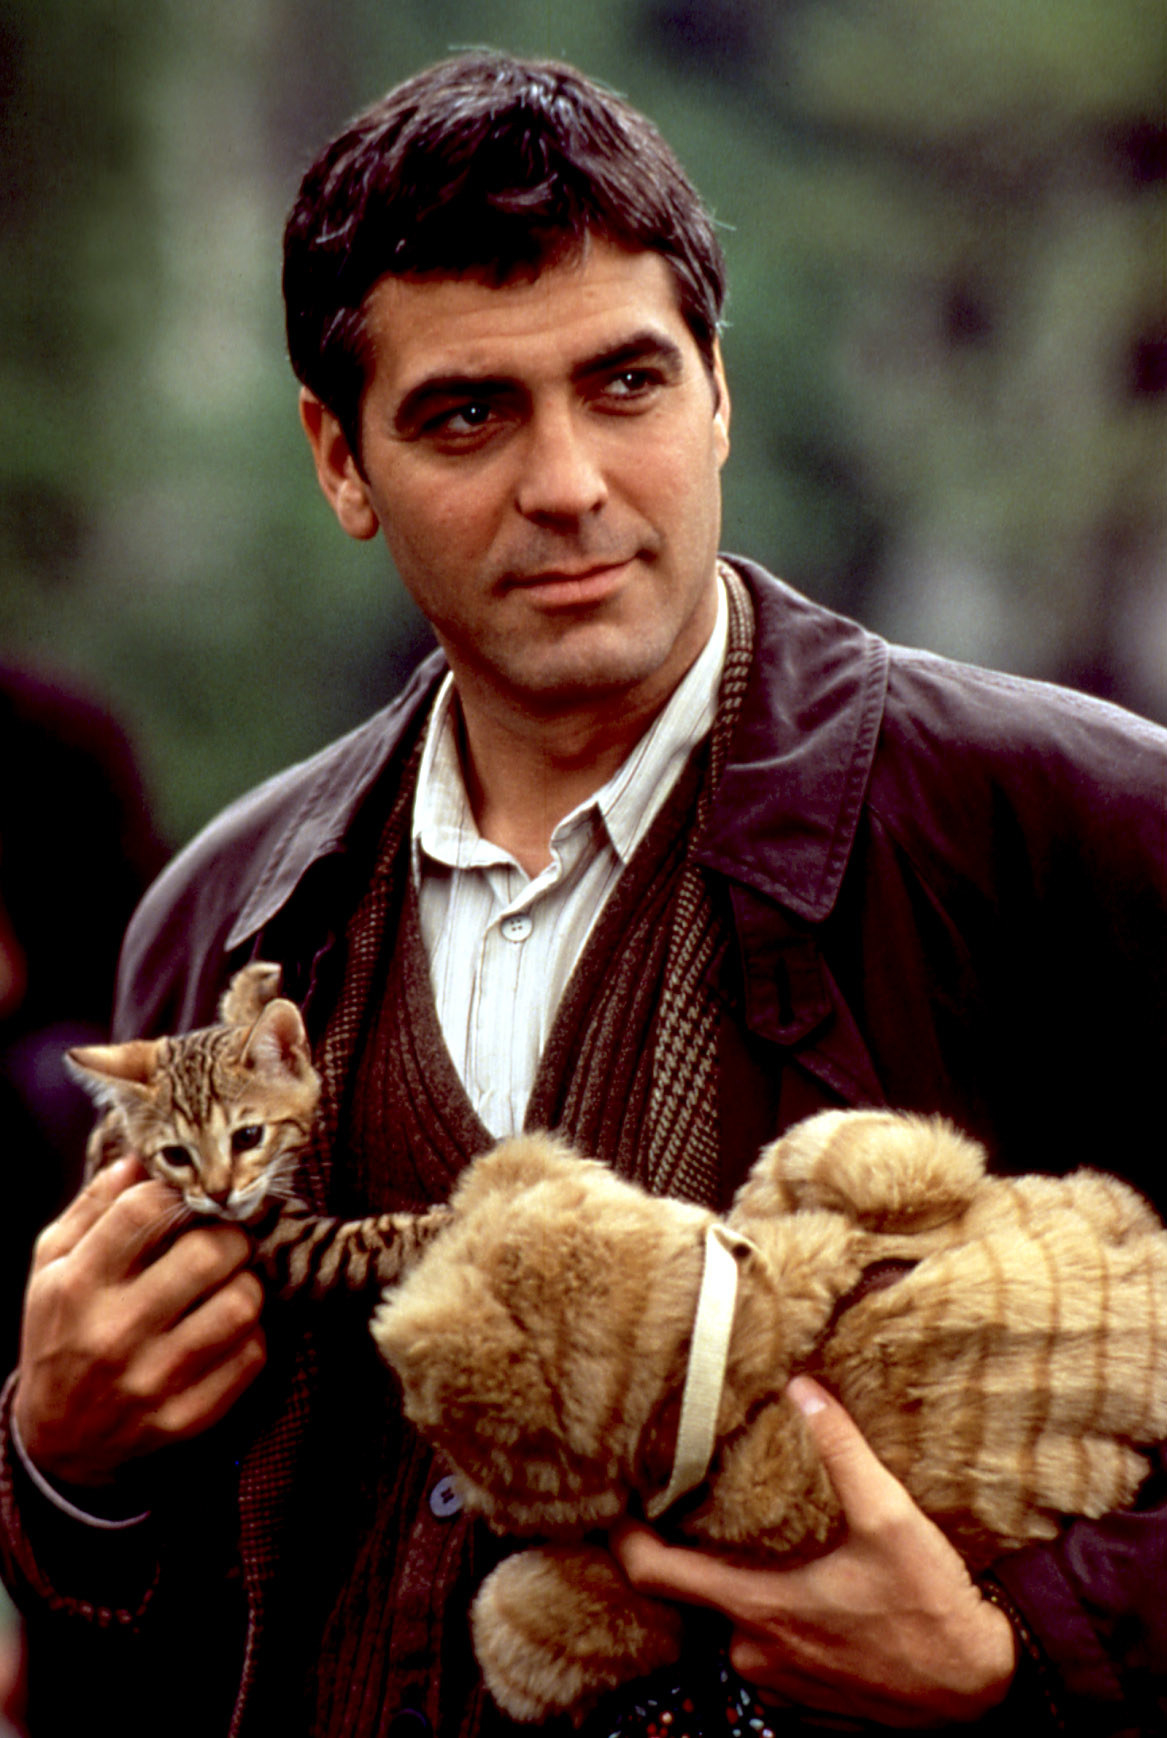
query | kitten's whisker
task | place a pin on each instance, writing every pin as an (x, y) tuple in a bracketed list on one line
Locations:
[(181, 1215), (172, 1217)]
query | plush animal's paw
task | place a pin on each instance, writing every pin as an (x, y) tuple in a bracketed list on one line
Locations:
[(884, 1170), (558, 1627)]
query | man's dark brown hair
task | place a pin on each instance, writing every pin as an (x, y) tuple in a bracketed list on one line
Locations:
[(481, 164)]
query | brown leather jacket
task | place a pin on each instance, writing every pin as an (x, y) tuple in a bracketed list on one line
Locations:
[(950, 892)]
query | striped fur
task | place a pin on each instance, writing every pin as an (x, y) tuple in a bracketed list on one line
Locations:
[(223, 1115), (305, 1254), (1002, 1344)]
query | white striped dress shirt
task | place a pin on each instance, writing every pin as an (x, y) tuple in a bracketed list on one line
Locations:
[(502, 944)]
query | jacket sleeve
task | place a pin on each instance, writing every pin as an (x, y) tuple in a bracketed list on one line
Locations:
[(1090, 1611), (98, 1576), (1043, 840)]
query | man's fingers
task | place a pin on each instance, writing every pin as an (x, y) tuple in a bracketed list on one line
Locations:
[(104, 1392), (136, 1220), (865, 1488), (693, 1577), (65, 1232), (868, 1493), (195, 1267), (666, 1571), (211, 1333), (886, 1627), (206, 1401)]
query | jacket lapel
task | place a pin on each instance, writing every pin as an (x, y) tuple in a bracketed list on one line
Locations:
[(783, 823)]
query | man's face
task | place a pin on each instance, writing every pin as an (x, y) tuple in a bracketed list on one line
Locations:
[(543, 459)]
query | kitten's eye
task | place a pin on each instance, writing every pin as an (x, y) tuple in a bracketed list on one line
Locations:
[(246, 1139), (177, 1158)]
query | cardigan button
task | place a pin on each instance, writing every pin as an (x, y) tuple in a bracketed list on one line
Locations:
[(445, 1499), (408, 1723)]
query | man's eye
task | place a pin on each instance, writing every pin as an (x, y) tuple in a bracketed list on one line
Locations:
[(461, 419), (631, 385)]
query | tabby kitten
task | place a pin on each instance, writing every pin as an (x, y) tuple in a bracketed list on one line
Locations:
[(222, 1115)]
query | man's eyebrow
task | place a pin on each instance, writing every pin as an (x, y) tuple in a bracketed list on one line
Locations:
[(440, 388), (649, 346)]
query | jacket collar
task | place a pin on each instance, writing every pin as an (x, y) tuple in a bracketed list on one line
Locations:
[(317, 801), (784, 816)]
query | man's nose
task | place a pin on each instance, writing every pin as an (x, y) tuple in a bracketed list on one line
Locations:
[(562, 477)]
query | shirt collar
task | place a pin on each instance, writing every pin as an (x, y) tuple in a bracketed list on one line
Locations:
[(783, 818), (443, 823)]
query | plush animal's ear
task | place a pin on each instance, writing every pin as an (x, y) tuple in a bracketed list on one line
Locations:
[(249, 992), (105, 1069), (506, 1366), (885, 1171), (278, 1043), (514, 1166), (472, 1378)]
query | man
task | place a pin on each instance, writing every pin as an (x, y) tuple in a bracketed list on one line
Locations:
[(658, 854)]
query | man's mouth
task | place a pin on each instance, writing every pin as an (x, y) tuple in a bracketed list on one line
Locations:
[(571, 586)]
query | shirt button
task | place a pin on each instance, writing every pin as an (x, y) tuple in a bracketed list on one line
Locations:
[(518, 926), (445, 1499)]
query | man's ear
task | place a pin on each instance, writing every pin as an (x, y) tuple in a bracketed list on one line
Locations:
[(339, 474), (720, 404)]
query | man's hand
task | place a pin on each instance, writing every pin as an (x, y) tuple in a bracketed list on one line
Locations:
[(130, 1342), (887, 1627)]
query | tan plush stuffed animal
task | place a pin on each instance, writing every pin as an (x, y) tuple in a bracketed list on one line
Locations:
[(1002, 1344)]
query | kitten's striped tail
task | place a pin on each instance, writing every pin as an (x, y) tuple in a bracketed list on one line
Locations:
[(305, 1254)]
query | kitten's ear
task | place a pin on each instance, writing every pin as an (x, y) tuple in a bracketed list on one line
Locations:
[(278, 1040), (249, 992), (103, 1068)]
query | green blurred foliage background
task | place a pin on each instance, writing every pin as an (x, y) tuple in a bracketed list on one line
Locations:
[(946, 222)]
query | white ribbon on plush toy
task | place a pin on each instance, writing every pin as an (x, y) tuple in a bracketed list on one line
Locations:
[(705, 1376)]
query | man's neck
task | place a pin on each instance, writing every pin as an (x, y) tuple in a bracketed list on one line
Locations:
[(527, 763), (523, 776)]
